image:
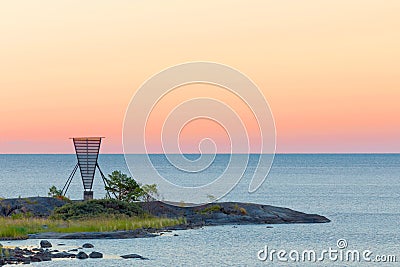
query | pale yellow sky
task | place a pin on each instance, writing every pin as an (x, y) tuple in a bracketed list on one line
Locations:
[(330, 70)]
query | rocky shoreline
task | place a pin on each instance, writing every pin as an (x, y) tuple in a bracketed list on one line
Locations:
[(44, 252), (223, 213)]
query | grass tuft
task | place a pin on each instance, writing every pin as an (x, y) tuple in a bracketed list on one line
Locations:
[(21, 227), (211, 209)]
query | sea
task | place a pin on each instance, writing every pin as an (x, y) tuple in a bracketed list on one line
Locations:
[(359, 193)]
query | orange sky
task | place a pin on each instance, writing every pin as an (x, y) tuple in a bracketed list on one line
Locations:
[(330, 70)]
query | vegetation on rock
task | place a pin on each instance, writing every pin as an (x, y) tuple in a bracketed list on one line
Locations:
[(95, 208), (54, 192), (123, 187), (211, 209), (20, 228)]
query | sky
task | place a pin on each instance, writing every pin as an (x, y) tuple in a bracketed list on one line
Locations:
[(330, 70)]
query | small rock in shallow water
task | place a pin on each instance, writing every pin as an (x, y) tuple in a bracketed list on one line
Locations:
[(45, 244), (36, 258), (62, 255), (95, 255), (82, 255), (44, 256), (25, 260), (87, 245), (134, 256)]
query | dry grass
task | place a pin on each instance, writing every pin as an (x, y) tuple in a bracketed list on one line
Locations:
[(21, 227)]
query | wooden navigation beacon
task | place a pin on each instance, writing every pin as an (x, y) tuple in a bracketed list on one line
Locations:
[(87, 152)]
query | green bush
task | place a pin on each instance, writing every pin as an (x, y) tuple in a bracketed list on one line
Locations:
[(211, 209), (97, 208)]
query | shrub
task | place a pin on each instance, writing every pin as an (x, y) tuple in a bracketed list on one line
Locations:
[(54, 192), (243, 211), (211, 209), (240, 210), (96, 208)]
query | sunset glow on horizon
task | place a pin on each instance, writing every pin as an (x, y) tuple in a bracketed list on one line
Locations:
[(330, 70)]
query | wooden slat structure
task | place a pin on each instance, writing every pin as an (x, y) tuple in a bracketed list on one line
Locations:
[(87, 153)]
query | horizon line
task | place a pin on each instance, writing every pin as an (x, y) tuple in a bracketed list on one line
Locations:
[(280, 153)]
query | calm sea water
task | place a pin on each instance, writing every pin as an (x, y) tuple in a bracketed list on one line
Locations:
[(359, 193)]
